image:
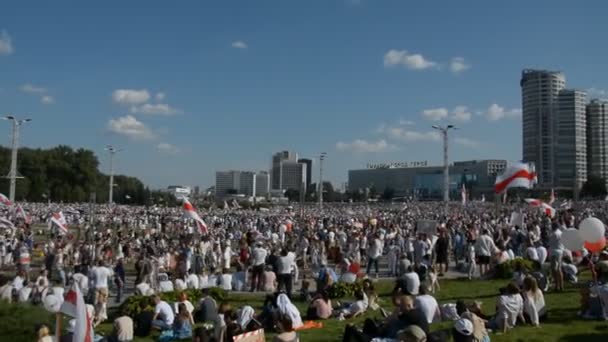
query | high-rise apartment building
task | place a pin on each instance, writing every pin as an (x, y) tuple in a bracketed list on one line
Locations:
[(540, 90), (597, 138), (554, 129), (570, 159), (276, 167), (227, 182), (246, 183)]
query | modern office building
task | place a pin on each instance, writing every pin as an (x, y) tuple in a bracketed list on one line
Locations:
[(427, 182), (293, 175), (262, 184), (227, 182), (554, 129), (308, 163), (597, 138), (276, 168)]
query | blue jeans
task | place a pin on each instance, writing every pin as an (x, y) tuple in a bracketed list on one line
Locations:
[(369, 265), (160, 324)]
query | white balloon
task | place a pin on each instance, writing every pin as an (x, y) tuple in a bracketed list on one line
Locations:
[(592, 229), (572, 239), (51, 303)]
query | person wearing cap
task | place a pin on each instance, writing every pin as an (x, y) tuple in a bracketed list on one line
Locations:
[(463, 331), (480, 334)]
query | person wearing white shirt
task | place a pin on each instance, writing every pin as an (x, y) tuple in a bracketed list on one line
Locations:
[(227, 256), (557, 254), (485, 249), (510, 307), (534, 301), (226, 280), (258, 259), (101, 274), (374, 253), (428, 305), (192, 281), (409, 283), (285, 266), (163, 314)]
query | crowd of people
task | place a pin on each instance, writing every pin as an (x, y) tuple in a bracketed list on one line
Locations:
[(297, 254)]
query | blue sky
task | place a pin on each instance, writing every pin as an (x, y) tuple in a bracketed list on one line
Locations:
[(191, 87)]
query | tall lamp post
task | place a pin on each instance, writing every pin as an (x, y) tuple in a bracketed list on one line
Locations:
[(12, 175), (446, 171), (112, 150), (321, 159)]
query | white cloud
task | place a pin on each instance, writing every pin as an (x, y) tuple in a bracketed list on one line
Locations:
[(457, 64), (160, 96), (158, 108), (411, 61), (239, 44), (130, 127), (467, 142), (6, 44), (32, 89), (406, 122), (496, 112), (435, 114), (167, 148), (399, 133), (47, 99), (364, 146), (130, 96), (461, 114)]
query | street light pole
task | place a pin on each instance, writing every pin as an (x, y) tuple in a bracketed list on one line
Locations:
[(446, 170), (112, 150), (321, 159), (15, 148)]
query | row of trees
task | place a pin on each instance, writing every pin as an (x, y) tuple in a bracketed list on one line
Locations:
[(62, 174)]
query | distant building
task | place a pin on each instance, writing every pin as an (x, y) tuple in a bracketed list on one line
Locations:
[(293, 176), (179, 191), (597, 138), (262, 184), (247, 183), (308, 163), (554, 129), (427, 182), (276, 168)]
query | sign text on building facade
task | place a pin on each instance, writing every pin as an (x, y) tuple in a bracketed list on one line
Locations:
[(396, 165)]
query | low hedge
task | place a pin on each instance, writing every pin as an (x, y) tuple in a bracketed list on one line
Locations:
[(506, 269), (136, 304), (342, 290)]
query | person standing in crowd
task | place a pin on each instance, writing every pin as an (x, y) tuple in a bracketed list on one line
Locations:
[(119, 279), (374, 253), (258, 260), (285, 265)]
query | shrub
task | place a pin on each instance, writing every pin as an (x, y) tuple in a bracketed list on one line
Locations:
[(506, 269), (19, 320), (134, 304), (342, 290)]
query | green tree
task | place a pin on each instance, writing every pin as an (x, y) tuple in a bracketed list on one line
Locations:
[(292, 195), (595, 187)]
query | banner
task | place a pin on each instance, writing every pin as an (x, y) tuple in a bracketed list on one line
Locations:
[(428, 227), (517, 219), (254, 336)]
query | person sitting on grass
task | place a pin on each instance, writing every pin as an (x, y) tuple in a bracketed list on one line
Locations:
[(428, 305), (480, 334), (182, 327), (320, 307), (207, 308), (594, 296), (534, 302), (409, 283), (463, 331), (509, 308), (183, 299), (287, 333), (43, 334), (287, 310), (354, 309), (143, 320), (163, 314)]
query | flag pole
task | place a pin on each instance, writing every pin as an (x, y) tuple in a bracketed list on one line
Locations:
[(58, 319)]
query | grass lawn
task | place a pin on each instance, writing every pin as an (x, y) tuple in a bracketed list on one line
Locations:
[(17, 322)]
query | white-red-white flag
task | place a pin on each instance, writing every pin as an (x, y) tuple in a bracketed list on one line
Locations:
[(20, 213), (516, 175), (60, 222), (4, 200), (191, 212), (546, 208), (74, 306)]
